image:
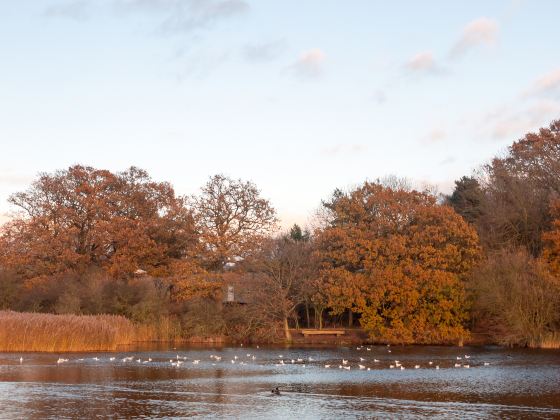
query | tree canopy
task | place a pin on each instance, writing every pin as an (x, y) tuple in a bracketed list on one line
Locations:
[(232, 219), (82, 216), (397, 258)]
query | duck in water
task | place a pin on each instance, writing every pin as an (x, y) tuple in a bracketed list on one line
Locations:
[(275, 391)]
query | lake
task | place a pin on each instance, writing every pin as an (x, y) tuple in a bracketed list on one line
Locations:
[(236, 382)]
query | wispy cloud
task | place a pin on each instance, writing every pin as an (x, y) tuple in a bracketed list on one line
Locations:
[(545, 85), (508, 122), (310, 64), (379, 96), (263, 52), (448, 160), (183, 16), (421, 62), (175, 16), (344, 149), (424, 63), (201, 64), (434, 136), (76, 10), (481, 31)]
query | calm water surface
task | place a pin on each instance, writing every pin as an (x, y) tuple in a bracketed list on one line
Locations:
[(514, 384)]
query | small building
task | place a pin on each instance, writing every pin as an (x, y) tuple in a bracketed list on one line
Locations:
[(231, 298)]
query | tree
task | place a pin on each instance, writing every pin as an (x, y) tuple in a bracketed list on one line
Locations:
[(519, 188), (232, 218), (283, 269), (397, 257), (517, 300), (551, 252), (80, 217), (297, 234), (467, 198)]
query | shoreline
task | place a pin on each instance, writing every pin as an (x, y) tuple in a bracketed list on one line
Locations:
[(166, 345), (205, 342), (49, 333)]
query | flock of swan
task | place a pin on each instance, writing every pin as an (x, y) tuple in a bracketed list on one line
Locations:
[(361, 363)]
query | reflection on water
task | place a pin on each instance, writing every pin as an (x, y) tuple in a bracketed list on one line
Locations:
[(162, 382)]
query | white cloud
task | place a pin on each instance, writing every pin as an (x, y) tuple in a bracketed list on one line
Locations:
[(423, 61), (434, 136), (310, 64), (481, 31), (547, 84), (508, 123)]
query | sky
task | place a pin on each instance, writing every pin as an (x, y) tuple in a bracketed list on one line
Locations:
[(298, 96)]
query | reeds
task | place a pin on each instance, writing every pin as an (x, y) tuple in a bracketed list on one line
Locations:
[(549, 341), (164, 329), (50, 333)]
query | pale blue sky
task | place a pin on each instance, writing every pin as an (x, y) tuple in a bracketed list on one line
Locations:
[(298, 96)]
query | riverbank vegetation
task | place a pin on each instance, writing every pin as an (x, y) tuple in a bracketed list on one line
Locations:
[(406, 265), (49, 332)]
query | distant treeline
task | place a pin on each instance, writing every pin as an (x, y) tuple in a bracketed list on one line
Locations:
[(408, 266)]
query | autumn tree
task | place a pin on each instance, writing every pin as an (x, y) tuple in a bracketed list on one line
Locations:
[(518, 190), (397, 258), (283, 267), (516, 298), (232, 219), (82, 216)]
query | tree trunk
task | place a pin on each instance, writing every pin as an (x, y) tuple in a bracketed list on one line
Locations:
[(307, 312), (321, 319), (287, 330), (350, 318)]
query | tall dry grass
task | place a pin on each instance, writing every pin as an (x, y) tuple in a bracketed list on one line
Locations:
[(48, 332), (549, 341), (163, 329)]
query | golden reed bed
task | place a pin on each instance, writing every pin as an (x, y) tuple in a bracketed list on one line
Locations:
[(48, 332)]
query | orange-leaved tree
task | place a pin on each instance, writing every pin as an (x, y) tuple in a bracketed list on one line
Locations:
[(397, 257), (80, 217)]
